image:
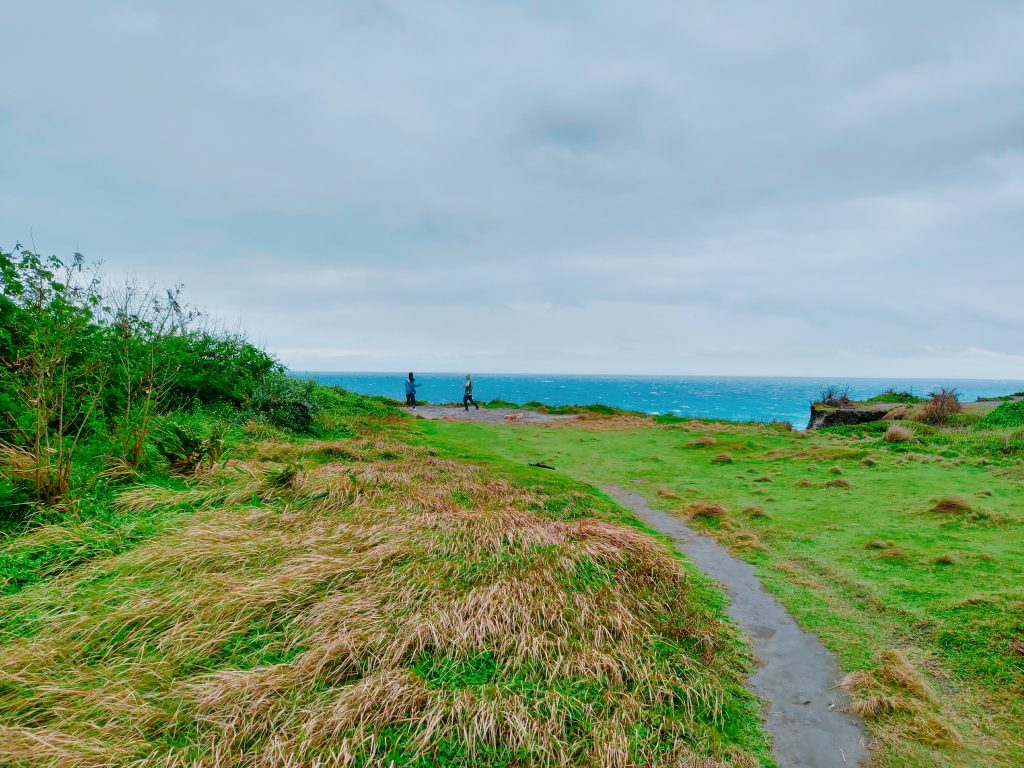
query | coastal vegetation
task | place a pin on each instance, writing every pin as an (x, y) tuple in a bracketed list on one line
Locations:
[(903, 554), (204, 562)]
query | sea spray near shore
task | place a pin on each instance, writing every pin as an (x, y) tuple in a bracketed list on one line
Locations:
[(735, 398)]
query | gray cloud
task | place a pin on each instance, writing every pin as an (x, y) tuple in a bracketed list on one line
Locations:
[(801, 187)]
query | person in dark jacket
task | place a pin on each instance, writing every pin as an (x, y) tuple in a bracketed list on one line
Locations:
[(410, 391), (467, 397)]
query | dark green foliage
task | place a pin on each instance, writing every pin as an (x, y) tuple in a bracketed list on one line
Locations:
[(89, 371), (892, 396), (212, 368), (594, 408), (867, 429), (285, 402), (190, 447), (1007, 414), (1011, 396)]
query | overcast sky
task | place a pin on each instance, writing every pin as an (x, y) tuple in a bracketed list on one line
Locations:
[(796, 187)]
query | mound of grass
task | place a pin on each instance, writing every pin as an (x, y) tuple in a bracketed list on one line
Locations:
[(959, 508), (1008, 414), (705, 510), (892, 396), (501, 404), (897, 433), (702, 442), (722, 458), (953, 505), (305, 608)]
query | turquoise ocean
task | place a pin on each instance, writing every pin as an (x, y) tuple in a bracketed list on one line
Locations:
[(739, 398)]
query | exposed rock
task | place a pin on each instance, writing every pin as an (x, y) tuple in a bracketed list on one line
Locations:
[(854, 413)]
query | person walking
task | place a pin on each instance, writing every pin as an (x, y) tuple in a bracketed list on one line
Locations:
[(467, 396), (410, 391)]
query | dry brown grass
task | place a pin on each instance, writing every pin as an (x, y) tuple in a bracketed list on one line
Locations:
[(722, 458), (705, 510), (838, 482), (900, 701), (952, 505), (703, 441), (897, 433), (351, 580)]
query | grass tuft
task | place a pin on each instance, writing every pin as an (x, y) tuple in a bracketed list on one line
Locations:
[(897, 433), (704, 510)]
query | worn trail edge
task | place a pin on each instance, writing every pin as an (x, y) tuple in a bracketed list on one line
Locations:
[(795, 675)]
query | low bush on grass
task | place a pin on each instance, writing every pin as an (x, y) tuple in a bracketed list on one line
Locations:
[(892, 396), (897, 433), (190, 448), (866, 429), (501, 404), (941, 406), (1005, 415), (285, 402)]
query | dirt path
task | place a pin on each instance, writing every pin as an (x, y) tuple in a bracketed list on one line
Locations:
[(489, 415), (796, 675)]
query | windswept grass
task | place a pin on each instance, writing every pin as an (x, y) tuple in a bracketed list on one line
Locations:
[(906, 563), (364, 602)]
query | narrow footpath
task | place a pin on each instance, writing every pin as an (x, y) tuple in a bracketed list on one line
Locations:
[(796, 675)]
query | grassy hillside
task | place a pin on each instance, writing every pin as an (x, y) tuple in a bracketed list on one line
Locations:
[(905, 556), (363, 598)]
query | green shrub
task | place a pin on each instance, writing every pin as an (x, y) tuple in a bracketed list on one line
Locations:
[(285, 402), (892, 396), (867, 429), (1008, 414), (190, 447), (941, 406), (500, 404)]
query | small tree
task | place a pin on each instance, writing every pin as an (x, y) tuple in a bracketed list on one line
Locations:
[(941, 405), (138, 323), (56, 369), (834, 395)]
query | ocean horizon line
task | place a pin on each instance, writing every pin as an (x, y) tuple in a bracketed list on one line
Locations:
[(563, 374)]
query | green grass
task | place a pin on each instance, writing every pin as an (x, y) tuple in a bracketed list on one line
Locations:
[(370, 592), (943, 587), (892, 396), (1007, 414)]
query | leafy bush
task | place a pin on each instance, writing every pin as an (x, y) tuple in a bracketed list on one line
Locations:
[(1008, 414), (190, 448), (285, 402), (941, 406), (84, 362)]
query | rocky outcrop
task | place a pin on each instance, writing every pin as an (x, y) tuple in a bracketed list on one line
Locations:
[(853, 413)]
